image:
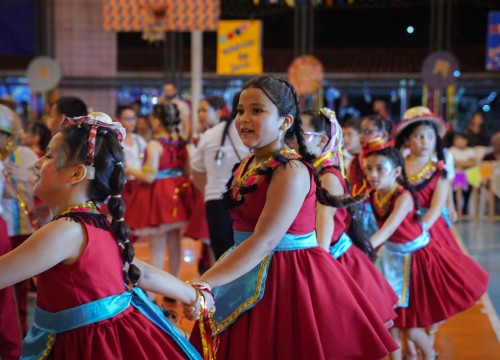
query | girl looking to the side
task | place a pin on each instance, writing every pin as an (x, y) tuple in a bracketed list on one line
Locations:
[(279, 295), (432, 282), (336, 228)]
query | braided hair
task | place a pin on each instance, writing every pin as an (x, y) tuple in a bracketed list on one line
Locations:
[(109, 181), (283, 95), (395, 157), (169, 116), (408, 131), (381, 123)]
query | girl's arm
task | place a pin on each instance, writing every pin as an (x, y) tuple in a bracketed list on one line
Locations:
[(324, 214), (450, 204), (148, 172), (161, 282), (199, 180), (403, 205), (285, 196), (438, 202), (186, 170), (60, 241)]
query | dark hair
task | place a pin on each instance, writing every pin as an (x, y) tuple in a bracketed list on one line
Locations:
[(121, 109), (283, 95), (71, 106), (461, 134), (354, 123), (234, 108), (380, 122), (43, 131), (169, 116), (215, 102), (109, 181), (407, 131), (395, 157)]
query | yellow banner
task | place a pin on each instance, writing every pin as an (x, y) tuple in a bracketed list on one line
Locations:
[(239, 47)]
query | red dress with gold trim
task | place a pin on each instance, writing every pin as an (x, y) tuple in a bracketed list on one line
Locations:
[(425, 184), (357, 263), (169, 199), (442, 282), (311, 308)]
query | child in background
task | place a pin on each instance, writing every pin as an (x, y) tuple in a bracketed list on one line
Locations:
[(18, 200), (432, 281), (36, 137), (336, 229), (134, 148), (351, 130), (465, 157), (279, 295), (84, 308), (162, 203)]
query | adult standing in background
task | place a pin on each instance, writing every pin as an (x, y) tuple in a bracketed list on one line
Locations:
[(67, 106), (219, 149), (476, 132), (170, 97)]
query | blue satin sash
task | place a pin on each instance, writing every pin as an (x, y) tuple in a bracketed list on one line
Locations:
[(445, 214), (341, 246), (240, 295), (394, 262), (168, 173), (41, 337)]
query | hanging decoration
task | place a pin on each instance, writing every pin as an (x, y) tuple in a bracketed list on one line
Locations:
[(306, 74), (154, 17)]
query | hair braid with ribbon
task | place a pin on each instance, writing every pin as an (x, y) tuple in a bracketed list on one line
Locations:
[(95, 140)]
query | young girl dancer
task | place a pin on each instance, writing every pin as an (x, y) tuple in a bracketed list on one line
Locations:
[(161, 205), (421, 131), (336, 229), (279, 295), (83, 309), (432, 282)]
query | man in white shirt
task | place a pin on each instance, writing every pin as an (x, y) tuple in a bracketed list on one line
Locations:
[(219, 149)]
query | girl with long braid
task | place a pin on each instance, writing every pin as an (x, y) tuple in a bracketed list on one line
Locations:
[(162, 204), (432, 282), (337, 230), (88, 305), (278, 294)]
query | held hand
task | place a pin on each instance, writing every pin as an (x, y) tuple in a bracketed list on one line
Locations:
[(17, 172), (453, 215), (204, 302)]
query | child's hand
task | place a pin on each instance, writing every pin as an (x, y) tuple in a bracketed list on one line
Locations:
[(193, 311), (18, 172)]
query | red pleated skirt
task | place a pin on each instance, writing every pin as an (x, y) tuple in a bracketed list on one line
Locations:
[(442, 283), (311, 309), (442, 233), (371, 281), (197, 227), (129, 335)]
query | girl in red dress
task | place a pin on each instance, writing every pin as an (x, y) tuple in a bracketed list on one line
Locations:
[(421, 133), (432, 281), (279, 295), (161, 205), (84, 310), (336, 229)]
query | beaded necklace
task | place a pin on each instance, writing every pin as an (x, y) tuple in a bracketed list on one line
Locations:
[(86, 212), (424, 174), (384, 201)]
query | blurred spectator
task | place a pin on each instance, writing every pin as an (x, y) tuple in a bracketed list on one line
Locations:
[(352, 142), (476, 132), (170, 97), (37, 136), (494, 155), (465, 157), (68, 106)]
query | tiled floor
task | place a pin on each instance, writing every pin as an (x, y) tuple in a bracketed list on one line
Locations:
[(473, 334)]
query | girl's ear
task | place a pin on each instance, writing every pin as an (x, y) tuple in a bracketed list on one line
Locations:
[(398, 171), (286, 123), (79, 174), (323, 141), (385, 135)]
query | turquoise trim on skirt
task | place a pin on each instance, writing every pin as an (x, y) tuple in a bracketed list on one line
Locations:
[(341, 246), (394, 262), (242, 294), (47, 325)]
